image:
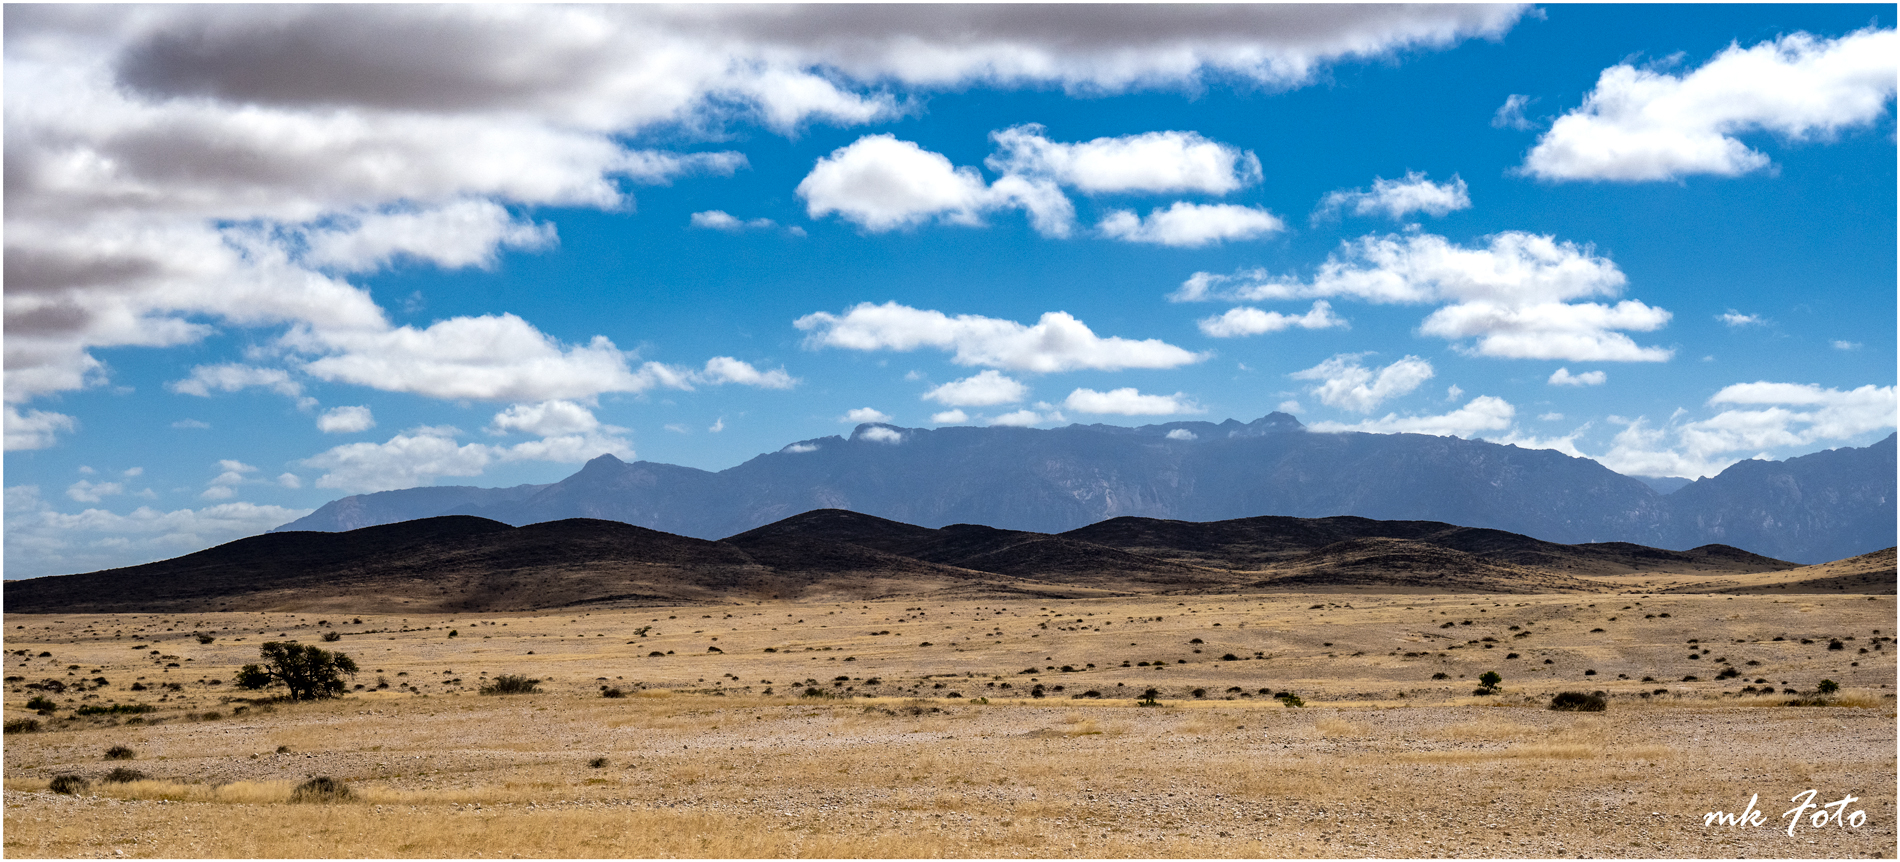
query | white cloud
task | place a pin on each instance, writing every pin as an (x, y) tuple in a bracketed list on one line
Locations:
[(190, 423), (722, 220), (1514, 297), (950, 417), (1154, 162), (1252, 321), (1182, 434), (1647, 125), (546, 419), (1511, 113), (1395, 198), (345, 420), (725, 369), (233, 376), (1020, 419), (800, 448), (717, 426), (35, 429), (1453, 392), (1348, 385), (1737, 319), (1846, 345), (1190, 225), (677, 428), (862, 415), (41, 541), (92, 492), (1563, 377), (1288, 407), (1784, 416), (1057, 342), (457, 235), (290, 480), (1551, 417), (1483, 413), (881, 183), (881, 434), (486, 358), (134, 471), (1128, 402), (419, 456), (984, 389), (218, 492)]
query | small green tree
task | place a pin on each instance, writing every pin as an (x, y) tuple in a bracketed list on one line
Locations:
[(1828, 686), (309, 672), (1490, 679)]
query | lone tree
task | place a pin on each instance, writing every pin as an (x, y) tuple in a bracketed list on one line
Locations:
[(310, 673), (1490, 679)]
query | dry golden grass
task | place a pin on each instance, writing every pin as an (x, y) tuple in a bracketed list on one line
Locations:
[(700, 761)]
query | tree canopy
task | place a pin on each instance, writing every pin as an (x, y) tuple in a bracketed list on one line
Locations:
[(309, 672)]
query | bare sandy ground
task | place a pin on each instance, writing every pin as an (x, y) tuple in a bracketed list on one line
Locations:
[(942, 750)]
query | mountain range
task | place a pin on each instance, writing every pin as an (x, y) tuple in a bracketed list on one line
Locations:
[(461, 563), (1810, 509)]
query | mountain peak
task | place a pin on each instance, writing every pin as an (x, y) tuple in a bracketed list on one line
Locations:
[(604, 462)]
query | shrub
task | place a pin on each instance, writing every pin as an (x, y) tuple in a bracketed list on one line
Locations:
[(332, 637), (1200, 692), (204, 638), (322, 788), (23, 725), (122, 775), (1292, 700), (1490, 679), (1577, 701), (453, 633), (120, 752), (1827, 686), (41, 703), (1151, 697), (1836, 644), (1441, 675), (612, 692), (597, 763), (69, 784), (309, 672), (1230, 657), (509, 683), (115, 709)]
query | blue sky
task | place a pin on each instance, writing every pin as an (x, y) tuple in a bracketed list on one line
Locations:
[(259, 258)]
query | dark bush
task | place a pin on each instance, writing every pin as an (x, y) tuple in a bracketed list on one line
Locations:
[(69, 784), (1577, 701), (612, 692), (509, 683), (1149, 698), (204, 638), (1827, 686), (1230, 657), (332, 637), (120, 752), (122, 775), (115, 709), (1836, 644), (1200, 692), (309, 672), (322, 788), (23, 725), (1441, 675), (597, 763), (41, 703)]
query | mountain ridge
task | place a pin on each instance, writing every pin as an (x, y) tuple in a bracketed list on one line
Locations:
[(1812, 508)]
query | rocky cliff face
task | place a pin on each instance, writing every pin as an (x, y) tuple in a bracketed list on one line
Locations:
[(1812, 509)]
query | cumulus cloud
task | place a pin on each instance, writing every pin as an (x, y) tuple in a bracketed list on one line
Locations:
[(457, 235), (725, 369), (1349, 385), (1246, 320), (1736, 319), (1394, 199), (952, 416), (35, 429), (1057, 342), (1511, 114), (42, 541), (233, 376), (722, 220), (985, 389), (880, 434), (345, 420), (1153, 162), (1182, 434), (1648, 125), (881, 183), (1129, 402), (421, 455), (1846, 345), (1563, 377), (1515, 297), (1483, 413), (1191, 225), (86, 491), (1760, 418), (1022, 419), (862, 415)]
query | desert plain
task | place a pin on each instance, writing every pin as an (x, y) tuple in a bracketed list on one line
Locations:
[(912, 727)]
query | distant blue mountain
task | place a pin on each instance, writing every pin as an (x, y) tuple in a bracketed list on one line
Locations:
[(1811, 509)]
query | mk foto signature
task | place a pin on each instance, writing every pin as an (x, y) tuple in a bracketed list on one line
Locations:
[(1818, 816)]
